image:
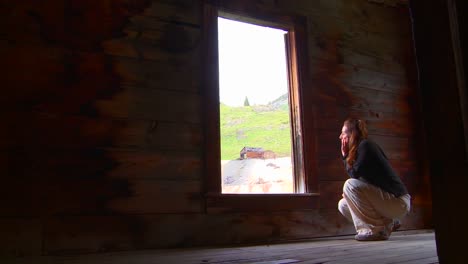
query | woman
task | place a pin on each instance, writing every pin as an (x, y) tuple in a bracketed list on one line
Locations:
[(374, 197)]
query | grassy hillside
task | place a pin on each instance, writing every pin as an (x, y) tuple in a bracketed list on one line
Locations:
[(266, 126)]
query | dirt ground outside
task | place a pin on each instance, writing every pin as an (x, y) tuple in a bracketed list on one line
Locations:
[(257, 176)]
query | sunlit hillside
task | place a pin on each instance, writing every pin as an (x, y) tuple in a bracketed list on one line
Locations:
[(265, 126)]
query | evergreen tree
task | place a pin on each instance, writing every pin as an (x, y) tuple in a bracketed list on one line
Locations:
[(246, 102)]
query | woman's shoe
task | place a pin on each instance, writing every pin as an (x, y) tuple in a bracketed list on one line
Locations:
[(371, 237), (396, 225)]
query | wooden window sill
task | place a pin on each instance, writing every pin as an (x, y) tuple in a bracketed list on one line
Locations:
[(220, 203)]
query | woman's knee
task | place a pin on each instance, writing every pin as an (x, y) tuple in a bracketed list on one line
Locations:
[(406, 203), (342, 206), (351, 185)]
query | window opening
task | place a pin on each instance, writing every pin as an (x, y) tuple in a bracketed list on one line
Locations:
[(260, 142)]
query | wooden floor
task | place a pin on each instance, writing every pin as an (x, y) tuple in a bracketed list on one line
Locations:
[(403, 247)]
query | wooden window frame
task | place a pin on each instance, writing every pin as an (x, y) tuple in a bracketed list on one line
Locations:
[(306, 183)]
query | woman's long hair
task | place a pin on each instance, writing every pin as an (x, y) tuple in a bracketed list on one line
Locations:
[(358, 131)]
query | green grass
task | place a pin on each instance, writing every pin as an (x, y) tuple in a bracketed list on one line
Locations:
[(254, 126)]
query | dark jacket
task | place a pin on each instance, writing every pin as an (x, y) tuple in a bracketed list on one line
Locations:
[(372, 165)]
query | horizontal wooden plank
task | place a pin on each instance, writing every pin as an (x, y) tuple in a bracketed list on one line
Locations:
[(386, 125), (362, 77), (21, 237), (160, 197), (60, 196), (396, 148), (362, 59), (380, 16), (331, 169), (85, 181), (223, 203), (419, 217), (367, 16), (340, 77), (369, 99), (146, 23), (331, 193), (83, 25), (18, 24), (339, 47), (51, 131), (67, 81), (92, 82), (161, 105), (328, 145), (172, 42), (160, 135), (412, 247), (84, 234), (160, 165), (390, 48), (175, 11), (98, 195), (355, 28), (46, 167), (122, 47), (23, 80), (169, 37), (52, 165), (166, 75)]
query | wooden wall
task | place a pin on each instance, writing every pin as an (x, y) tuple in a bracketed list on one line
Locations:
[(441, 56), (101, 133)]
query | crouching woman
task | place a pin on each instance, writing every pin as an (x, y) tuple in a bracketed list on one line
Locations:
[(374, 198)]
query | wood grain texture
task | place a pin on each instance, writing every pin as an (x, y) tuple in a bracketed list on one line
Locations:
[(102, 144), (20, 237), (84, 234), (403, 247), (64, 132), (443, 118)]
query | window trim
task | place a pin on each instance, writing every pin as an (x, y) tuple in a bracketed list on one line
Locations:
[(307, 193)]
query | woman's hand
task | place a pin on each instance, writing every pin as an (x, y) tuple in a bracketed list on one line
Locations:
[(344, 146)]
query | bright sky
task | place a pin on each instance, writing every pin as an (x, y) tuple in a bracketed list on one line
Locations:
[(252, 63)]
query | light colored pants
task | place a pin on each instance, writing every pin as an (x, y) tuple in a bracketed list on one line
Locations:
[(370, 208)]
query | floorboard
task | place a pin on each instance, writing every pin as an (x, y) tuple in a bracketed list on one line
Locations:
[(409, 247)]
